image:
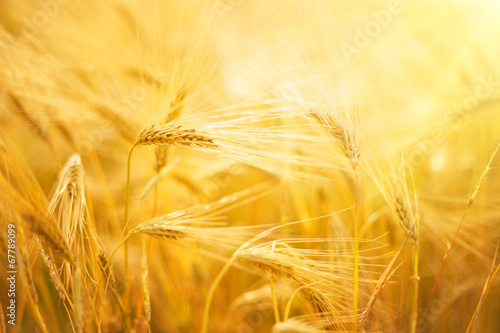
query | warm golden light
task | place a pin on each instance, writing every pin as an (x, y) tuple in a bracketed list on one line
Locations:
[(249, 166)]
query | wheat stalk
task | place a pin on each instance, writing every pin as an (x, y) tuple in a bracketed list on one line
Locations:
[(145, 283)]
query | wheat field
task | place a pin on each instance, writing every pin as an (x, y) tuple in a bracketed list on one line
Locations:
[(244, 166)]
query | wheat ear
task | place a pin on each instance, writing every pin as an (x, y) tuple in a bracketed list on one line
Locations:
[(174, 134), (343, 131), (70, 197)]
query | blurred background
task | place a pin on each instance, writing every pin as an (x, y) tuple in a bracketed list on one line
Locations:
[(418, 79)]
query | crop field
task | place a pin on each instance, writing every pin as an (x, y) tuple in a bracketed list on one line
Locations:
[(249, 166)]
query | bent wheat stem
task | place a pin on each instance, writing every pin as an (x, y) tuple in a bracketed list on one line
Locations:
[(414, 292), (275, 301), (474, 322), (125, 231), (290, 301), (213, 287), (356, 256)]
